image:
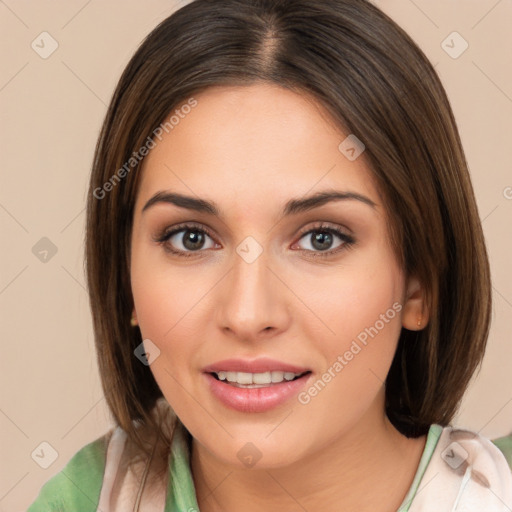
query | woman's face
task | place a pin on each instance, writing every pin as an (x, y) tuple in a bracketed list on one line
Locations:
[(265, 277)]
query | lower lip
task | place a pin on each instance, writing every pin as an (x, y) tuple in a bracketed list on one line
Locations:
[(255, 399)]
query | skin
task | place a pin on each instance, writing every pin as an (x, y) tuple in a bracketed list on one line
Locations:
[(250, 149)]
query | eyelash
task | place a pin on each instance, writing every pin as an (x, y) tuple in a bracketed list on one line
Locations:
[(166, 234)]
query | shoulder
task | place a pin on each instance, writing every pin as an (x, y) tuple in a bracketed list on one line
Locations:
[(114, 470), (78, 485), (467, 471)]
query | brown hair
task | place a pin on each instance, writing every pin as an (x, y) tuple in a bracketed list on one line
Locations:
[(375, 83)]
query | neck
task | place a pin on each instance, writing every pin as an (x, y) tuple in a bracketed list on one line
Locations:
[(372, 455)]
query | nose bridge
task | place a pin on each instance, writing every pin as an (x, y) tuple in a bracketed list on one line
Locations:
[(251, 302), (250, 274)]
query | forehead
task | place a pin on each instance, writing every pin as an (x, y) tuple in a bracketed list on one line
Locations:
[(255, 145)]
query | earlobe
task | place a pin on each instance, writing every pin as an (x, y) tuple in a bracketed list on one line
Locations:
[(415, 314)]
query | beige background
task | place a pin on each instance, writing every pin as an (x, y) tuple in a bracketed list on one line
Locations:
[(51, 114)]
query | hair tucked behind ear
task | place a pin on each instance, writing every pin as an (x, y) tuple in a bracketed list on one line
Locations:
[(375, 83)]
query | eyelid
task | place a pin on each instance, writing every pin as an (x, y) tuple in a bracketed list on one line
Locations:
[(165, 233), (318, 225)]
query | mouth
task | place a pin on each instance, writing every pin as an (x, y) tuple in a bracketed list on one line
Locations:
[(248, 380), (255, 385)]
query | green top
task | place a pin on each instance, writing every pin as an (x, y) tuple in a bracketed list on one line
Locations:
[(433, 436), (181, 492), (77, 487), (505, 445)]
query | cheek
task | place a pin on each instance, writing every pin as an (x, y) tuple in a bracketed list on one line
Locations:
[(370, 310), (163, 299), (162, 294), (365, 297), (163, 304), (361, 306), (353, 298)]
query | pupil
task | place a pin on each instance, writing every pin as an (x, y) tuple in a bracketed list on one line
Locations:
[(193, 240), (324, 240)]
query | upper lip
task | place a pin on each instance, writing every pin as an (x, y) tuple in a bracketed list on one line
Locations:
[(260, 365)]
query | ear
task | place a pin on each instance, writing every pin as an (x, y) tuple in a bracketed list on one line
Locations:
[(134, 320), (415, 314)]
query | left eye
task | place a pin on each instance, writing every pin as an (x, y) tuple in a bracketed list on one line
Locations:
[(322, 238)]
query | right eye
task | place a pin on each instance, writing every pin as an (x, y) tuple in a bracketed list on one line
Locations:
[(185, 239)]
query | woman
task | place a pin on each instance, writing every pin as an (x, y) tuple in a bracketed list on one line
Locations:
[(288, 278)]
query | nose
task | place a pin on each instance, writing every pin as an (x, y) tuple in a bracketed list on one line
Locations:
[(253, 302)]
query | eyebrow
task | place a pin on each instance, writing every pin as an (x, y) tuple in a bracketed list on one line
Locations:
[(292, 207)]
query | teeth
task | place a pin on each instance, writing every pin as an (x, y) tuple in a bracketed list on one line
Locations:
[(231, 376), (256, 378), (261, 378), (277, 376), (244, 378)]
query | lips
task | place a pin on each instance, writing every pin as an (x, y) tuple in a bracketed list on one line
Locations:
[(255, 398)]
